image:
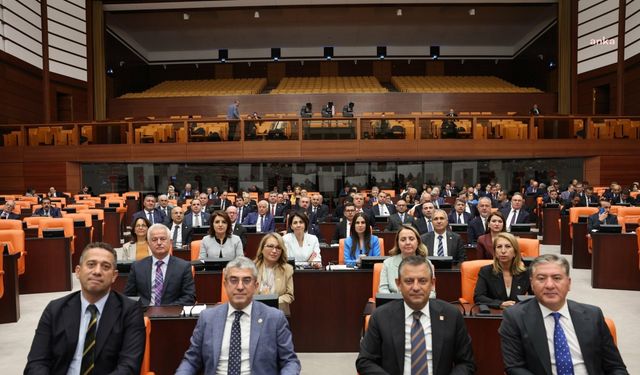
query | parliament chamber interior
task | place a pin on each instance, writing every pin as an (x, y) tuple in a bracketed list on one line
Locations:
[(107, 102)]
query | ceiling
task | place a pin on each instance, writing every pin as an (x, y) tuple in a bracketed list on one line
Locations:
[(161, 36)]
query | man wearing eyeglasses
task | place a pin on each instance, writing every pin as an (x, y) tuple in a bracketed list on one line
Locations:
[(241, 337)]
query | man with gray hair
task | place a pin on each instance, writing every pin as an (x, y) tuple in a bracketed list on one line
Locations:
[(164, 206), (551, 334), (161, 279), (241, 336), (263, 221)]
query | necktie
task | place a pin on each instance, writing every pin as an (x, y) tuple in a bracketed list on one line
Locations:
[(273, 210), (513, 217), (484, 224), (150, 217), (401, 218), (564, 365), (88, 353), (234, 346), (240, 215), (459, 218), (419, 363), (259, 226), (197, 220), (158, 284), (429, 226), (440, 246), (175, 235)]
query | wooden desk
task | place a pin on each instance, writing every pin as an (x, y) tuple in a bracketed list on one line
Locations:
[(615, 261), (112, 231), (253, 240), (566, 245), (327, 230), (10, 301), (133, 206), (97, 230), (83, 238), (531, 235), (581, 255), (550, 227), (485, 341), (389, 240), (48, 265)]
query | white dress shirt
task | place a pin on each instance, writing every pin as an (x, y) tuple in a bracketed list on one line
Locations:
[(153, 274), (436, 241), (245, 336), (85, 319), (302, 253), (196, 220), (510, 217), (579, 367), (178, 228), (425, 320)]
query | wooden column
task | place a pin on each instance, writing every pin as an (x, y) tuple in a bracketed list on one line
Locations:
[(98, 66), (620, 71), (46, 85), (565, 61)]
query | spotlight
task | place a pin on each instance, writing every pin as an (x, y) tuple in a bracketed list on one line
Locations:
[(109, 71), (434, 52), (185, 16), (328, 53), (382, 52), (223, 55), (472, 11), (399, 12), (256, 14)]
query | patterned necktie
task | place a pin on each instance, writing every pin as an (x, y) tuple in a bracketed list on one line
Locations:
[(235, 346), (564, 365), (440, 246), (158, 284), (175, 235), (419, 363), (88, 353), (513, 217), (459, 218), (150, 217), (429, 226)]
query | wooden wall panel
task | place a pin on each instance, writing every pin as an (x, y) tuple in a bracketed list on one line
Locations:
[(382, 70), (78, 92), (74, 177), (20, 91), (592, 170), (328, 68), (275, 72), (401, 103), (632, 86), (223, 71), (623, 169), (590, 80), (42, 175)]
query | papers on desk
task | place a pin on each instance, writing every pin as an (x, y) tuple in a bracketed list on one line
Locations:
[(338, 267), (193, 310), (335, 245)]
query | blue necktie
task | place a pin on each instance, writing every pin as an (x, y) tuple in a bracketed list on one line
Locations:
[(235, 346), (564, 365), (419, 363), (440, 246)]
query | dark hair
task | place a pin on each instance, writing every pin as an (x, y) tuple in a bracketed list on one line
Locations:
[(99, 245), (302, 215), (416, 260), (146, 221), (355, 240), (226, 218), (501, 216)]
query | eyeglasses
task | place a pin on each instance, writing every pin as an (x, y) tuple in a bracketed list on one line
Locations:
[(246, 281), (273, 247), (142, 226)]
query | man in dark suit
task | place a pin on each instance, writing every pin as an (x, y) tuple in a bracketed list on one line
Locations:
[(478, 225), (187, 193), (115, 345), (222, 201), (589, 197), (172, 280), (7, 211), (424, 223), (383, 208), (236, 226), (197, 217), (550, 323), (262, 220), (458, 215), (269, 348), (602, 216), (515, 214), (275, 208), (181, 232), (437, 336), (442, 242), (154, 215), (553, 197), (343, 227), (164, 206), (318, 211), (47, 209), (400, 218)]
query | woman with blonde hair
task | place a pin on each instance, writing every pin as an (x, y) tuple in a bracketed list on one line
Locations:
[(407, 243), (500, 283), (275, 275)]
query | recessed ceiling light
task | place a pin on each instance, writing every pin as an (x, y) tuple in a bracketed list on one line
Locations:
[(472, 11), (186, 16), (399, 12), (256, 14)]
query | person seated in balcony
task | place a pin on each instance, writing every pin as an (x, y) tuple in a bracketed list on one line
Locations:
[(535, 111), (347, 110), (500, 283), (306, 111)]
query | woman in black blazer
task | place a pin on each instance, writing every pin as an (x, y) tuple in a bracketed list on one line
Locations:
[(500, 283)]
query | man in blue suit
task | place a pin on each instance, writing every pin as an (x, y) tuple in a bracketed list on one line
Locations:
[(197, 217), (153, 214), (47, 209), (262, 220), (218, 344)]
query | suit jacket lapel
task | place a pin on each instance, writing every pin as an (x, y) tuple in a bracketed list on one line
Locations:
[(398, 334), (437, 338), (584, 326), (257, 320), (72, 323), (534, 326), (219, 322), (429, 242), (110, 314)]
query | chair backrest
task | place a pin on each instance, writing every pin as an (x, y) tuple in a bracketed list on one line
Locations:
[(78, 197), (90, 203), (119, 201), (95, 211), (529, 247), (381, 240), (33, 200), (131, 194), (51, 223), (146, 358), (612, 329), (79, 207), (377, 269), (223, 291), (638, 237), (628, 214), (10, 224), (576, 212), (80, 216), (469, 276), (1, 276), (195, 249), (62, 200), (15, 237), (34, 221)]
